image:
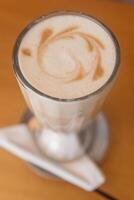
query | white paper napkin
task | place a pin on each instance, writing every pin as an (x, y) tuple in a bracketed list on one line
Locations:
[(82, 172)]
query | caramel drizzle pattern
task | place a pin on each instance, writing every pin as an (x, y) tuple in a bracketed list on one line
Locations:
[(26, 52), (93, 44)]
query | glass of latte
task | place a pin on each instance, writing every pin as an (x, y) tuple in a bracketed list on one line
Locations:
[(65, 64)]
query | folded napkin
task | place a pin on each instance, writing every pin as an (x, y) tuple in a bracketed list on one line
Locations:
[(82, 172)]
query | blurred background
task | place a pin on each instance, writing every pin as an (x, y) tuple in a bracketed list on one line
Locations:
[(17, 182)]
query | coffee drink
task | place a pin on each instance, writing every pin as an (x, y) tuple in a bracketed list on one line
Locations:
[(67, 56), (65, 64)]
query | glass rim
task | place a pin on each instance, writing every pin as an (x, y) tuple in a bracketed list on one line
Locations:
[(20, 77)]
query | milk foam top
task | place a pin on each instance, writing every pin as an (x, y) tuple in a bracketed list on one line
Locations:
[(67, 56)]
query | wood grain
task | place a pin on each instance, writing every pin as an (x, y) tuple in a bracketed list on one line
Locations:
[(17, 181)]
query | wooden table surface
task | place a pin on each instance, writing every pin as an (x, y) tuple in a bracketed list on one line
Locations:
[(17, 181)]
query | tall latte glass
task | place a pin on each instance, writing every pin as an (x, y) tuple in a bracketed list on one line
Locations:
[(65, 64)]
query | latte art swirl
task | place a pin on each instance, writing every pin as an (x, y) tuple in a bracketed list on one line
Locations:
[(67, 56), (76, 71)]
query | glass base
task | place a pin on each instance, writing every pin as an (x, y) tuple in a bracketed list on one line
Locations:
[(61, 146), (97, 142)]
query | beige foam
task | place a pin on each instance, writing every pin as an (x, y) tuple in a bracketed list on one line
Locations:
[(67, 56)]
